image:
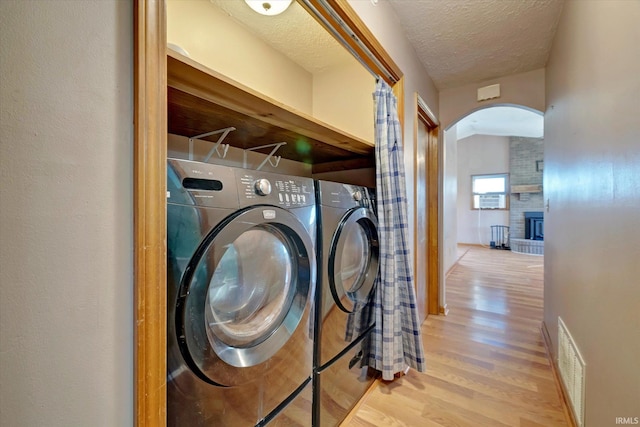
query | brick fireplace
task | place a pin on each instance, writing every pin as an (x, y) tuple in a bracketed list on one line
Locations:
[(526, 210), (533, 242)]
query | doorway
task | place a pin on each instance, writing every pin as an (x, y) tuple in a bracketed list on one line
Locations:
[(504, 139), (426, 209)]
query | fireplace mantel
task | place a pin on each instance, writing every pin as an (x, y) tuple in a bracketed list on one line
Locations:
[(529, 188)]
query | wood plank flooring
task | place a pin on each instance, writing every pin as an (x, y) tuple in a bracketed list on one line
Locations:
[(486, 360)]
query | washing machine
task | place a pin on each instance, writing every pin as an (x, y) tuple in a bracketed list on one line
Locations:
[(241, 274), (348, 272)]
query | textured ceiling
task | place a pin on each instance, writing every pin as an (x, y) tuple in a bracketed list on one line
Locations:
[(458, 42), (466, 41)]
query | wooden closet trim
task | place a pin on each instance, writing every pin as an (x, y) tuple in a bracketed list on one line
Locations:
[(389, 71), (398, 91), (433, 202), (149, 171), (432, 165), (150, 153)]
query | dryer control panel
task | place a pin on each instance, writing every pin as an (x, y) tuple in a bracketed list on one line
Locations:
[(345, 196), (274, 189)]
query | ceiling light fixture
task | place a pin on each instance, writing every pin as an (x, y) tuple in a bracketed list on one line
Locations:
[(269, 8)]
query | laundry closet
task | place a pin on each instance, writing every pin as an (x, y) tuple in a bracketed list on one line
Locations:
[(249, 129)]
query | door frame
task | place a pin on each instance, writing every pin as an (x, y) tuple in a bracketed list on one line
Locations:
[(149, 169), (432, 186)]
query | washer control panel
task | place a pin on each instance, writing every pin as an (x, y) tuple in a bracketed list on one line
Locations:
[(205, 184), (269, 188)]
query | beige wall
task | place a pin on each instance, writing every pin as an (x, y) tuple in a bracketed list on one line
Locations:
[(477, 155), (524, 89), (591, 179), (215, 40), (342, 96), (66, 209)]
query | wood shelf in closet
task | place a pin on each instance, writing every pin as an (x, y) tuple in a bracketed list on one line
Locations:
[(201, 100)]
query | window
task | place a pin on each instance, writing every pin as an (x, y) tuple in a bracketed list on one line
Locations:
[(490, 191)]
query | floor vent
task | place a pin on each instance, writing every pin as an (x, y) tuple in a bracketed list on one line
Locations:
[(572, 371)]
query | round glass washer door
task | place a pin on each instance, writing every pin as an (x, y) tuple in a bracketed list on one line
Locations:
[(244, 293), (251, 289), (354, 259)]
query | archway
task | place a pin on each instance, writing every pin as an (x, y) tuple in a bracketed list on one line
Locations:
[(483, 131)]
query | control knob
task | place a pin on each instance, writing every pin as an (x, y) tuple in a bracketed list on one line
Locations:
[(262, 187), (357, 196)]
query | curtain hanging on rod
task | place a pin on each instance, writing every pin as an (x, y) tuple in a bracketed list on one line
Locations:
[(396, 341)]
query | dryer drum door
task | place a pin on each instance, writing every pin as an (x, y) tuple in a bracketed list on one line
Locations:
[(353, 259), (243, 294)]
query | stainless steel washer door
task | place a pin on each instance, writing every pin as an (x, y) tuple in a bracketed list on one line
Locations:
[(251, 288), (353, 259), (244, 293)]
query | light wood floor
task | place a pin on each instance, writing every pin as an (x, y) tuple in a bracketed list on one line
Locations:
[(486, 360)]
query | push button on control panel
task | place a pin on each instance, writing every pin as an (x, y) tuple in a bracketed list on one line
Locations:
[(291, 193)]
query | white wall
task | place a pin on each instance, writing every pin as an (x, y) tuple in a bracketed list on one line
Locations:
[(478, 155), (449, 202), (591, 180), (66, 264)]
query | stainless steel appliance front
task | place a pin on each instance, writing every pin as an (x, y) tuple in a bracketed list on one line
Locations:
[(349, 268), (241, 273)]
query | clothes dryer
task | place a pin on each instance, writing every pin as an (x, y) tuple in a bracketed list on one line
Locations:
[(348, 270), (240, 280)]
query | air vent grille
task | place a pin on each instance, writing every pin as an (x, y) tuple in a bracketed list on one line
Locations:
[(572, 371)]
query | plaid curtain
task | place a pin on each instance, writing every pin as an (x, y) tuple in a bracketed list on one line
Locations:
[(396, 341)]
